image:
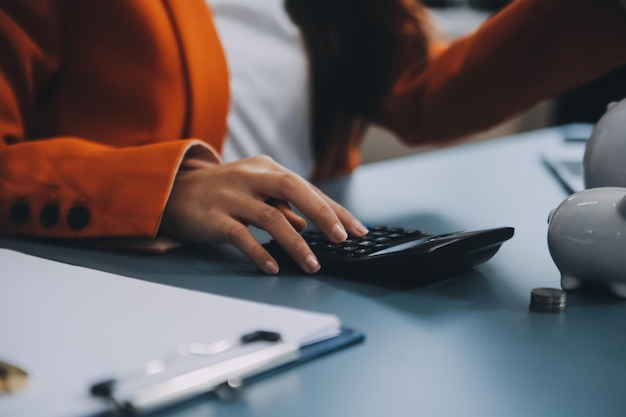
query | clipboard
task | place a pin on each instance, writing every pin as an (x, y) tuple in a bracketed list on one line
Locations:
[(90, 341)]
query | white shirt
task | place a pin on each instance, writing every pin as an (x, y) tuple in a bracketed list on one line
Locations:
[(269, 82)]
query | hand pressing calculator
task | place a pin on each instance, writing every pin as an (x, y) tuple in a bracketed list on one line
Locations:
[(393, 253)]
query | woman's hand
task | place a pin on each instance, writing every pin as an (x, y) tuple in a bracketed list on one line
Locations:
[(216, 203)]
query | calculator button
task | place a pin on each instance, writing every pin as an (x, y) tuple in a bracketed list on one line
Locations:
[(376, 233), (349, 248), (377, 228), (412, 232)]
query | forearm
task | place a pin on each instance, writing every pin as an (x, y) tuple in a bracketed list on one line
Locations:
[(530, 51)]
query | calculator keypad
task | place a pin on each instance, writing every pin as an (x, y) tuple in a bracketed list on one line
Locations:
[(378, 238)]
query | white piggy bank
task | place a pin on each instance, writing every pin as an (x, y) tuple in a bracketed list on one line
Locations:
[(587, 238), (605, 151)]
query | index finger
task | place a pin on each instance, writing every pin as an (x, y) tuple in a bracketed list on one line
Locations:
[(285, 185)]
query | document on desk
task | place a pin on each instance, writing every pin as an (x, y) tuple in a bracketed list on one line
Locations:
[(75, 330)]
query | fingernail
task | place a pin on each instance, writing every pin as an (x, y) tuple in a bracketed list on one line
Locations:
[(360, 228), (271, 268), (312, 263), (339, 232)]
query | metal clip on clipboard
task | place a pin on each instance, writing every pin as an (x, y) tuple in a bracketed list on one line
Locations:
[(170, 381)]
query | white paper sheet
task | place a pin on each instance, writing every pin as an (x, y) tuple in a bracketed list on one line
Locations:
[(70, 327)]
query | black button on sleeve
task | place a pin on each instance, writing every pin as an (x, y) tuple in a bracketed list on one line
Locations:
[(19, 212), (49, 215), (78, 217), (10, 139)]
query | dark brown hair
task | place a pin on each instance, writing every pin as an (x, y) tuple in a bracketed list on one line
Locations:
[(357, 49)]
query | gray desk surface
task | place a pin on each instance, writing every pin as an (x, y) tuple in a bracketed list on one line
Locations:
[(467, 346)]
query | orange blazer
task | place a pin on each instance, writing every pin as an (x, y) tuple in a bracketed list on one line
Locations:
[(101, 100)]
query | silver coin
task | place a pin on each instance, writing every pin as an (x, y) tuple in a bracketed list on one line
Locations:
[(547, 300), (548, 293)]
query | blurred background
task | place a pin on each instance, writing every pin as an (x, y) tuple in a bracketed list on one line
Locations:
[(457, 18)]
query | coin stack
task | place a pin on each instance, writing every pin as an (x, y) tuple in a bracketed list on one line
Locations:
[(547, 300)]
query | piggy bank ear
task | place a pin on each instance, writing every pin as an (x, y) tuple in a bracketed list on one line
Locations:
[(611, 105), (621, 207)]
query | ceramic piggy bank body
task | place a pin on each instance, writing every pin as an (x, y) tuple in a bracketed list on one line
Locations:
[(587, 238), (605, 151)]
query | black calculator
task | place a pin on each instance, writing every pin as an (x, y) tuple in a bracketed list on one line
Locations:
[(395, 253)]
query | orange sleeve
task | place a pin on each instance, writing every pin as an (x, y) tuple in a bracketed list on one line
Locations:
[(528, 52), (70, 187)]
